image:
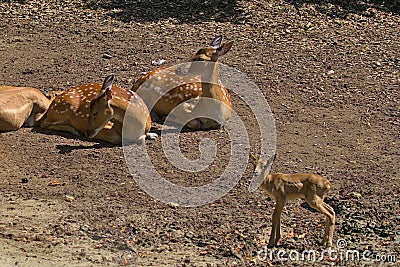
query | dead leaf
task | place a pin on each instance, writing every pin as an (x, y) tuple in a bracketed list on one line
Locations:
[(301, 235), (239, 248), (97, 246), (132, 242), (55, 183), (126, 263), (290, 235), (328, 259), (262, 242), (205, 251)]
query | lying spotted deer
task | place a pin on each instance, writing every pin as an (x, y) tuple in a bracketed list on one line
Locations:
[(98, 111), (283, 187), (168, 88), (21, 105)]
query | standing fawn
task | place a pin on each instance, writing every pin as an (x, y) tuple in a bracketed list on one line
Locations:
[(283, 187), (21, 105), (98, 111), (168, 88)]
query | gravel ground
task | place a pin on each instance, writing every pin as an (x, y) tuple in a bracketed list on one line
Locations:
[(330, 72)]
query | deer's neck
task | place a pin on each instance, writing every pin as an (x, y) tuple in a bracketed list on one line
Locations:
[(119, 106), (41, 102), (270, 186), (210, 84)]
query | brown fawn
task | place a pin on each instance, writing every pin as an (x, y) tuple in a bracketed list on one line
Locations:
[(283, 187), (168, 88), (21, 105), (98, 111)]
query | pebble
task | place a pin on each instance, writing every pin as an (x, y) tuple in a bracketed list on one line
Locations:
[(107, 56)]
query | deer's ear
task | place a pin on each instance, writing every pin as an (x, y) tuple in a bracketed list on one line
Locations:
[(106, 89), (253, 159), (224, 48), (271, 160), (216, 42), (108, 94), (108, 82)]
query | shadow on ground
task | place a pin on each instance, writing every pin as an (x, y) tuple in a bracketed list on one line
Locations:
[(342, 8), (180, 10)]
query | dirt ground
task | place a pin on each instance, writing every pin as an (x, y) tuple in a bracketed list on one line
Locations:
[(329, 71)]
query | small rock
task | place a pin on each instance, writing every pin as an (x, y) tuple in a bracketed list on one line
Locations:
[(107, 56), (158, 62), (69, 198)]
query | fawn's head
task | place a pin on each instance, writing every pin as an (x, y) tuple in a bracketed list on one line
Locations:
[(100, 111), (207, 55), (263, 166)]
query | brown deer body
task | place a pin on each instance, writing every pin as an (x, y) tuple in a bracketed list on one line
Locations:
[(284, 187), (19, 105), (168, 88), (97, 111)]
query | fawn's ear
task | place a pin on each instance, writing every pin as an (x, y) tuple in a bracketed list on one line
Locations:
[(271, 160), (106, 89), (108, 94), (216, 42), (253, 159), (224, 48)]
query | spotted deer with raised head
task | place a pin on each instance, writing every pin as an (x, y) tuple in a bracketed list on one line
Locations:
[(21, 105), (98, 111), (166, 89), (284, 187)]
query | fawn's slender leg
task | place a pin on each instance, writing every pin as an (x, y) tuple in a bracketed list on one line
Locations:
[(329, 225), (276, 223), (317, 203)]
